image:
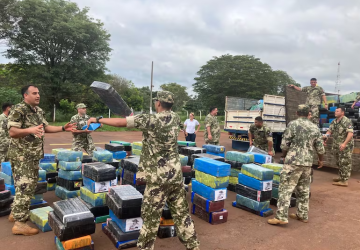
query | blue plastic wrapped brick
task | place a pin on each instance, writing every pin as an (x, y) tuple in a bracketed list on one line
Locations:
[(98, 187), (216, 154), (208, 192), (119, 155), (92, 126), (6, 168), (48, 158), (214, 148), (42, 175), (102, 156), (50, 167), (70, 156), (235, 172), (212, 167), (254, 183), (95, 200), (127, 225), (184, 160), (70, 166), (257, 172), (211, 181), (239, 157), (252, 204), (261, 158), (39, 217), (11, 188), (64, 194), (276, 167), (323, 116), (9, 180), (70, 175), (37, 198)]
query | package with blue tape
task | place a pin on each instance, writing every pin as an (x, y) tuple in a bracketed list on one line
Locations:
[(208, 192), (239, 157), (207, 205), (70, 166), (6, 168), (118, 244), (264, 213), (70, 175), (92, 126), (50, 167), (119, 155), (254, 183), (217, 154), (214, 148), (212, 167), (103, 156), (211, 181), (70, 156), (9, 180), (98, 187), (127, 225), (42, 175), (252, 204), (64, 194), (276, 167), (97, 199), (261, 158), (48, 158), (257, 172), (11, 188)]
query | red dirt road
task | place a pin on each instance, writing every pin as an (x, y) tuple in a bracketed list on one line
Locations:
[(334, 221)]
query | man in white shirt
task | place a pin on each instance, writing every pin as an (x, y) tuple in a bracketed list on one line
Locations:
[(190, 126)]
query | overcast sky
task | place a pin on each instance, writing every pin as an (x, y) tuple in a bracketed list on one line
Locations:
[(302, 37)]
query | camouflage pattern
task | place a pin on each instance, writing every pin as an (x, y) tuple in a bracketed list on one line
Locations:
[(160, 167), (164, 96), (261, 137), (299, 139), (314, 95), (212, 122), (294, 178), (83, 140), (4, 137), (339, 131), (357, 99), (24, 155), (81, 106)]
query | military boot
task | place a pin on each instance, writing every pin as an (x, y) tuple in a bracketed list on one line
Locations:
[(337, 179), (341, 183), (294, 216), (24, 229), (275, 221), (11, 218)]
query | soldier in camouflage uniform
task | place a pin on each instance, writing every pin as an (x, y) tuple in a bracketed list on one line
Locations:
[(212, 128), (261, 137), (357, 99), (160, 167), (82, 138), (4, 133), (27, 124), (298, 143), (314, 94), (343, 144)]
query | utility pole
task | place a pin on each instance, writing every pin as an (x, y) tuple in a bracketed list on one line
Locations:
[(151, 85), (338, 80)]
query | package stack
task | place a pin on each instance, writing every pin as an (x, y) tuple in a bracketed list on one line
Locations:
[(72, 223), (40, 217), (136, 148), (209, 190), (117, 150), (189, 151), (215, 150), (41, 188), (50, 166), (127, 146), (255, 185), (69, 180), (6, 174), (130, 168), (125, 208), (97, 179), (167, 225), (6, 199), (234, 174), (182, 144)]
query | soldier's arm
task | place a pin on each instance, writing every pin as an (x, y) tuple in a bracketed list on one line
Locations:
[(270, 141), (320, 149), (68, 127), (114, 122), (296, 87), (286, 141), (15, 123), (356, 100), (324, 98)]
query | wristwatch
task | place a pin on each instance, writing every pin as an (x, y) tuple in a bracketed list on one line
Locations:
[(98, 119)]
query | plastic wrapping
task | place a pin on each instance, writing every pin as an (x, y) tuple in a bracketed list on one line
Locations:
[(11, 188), (192, 150), (211, 181), (275, 192), (184, 160), (68, 233), (166, 213), (130, 177), (235, 172), (131, 163), (94, 199), (70, 166), (212, 157), (234, 164), (126, 196), (254, 149), (98, 171), (70, 156), (122, 212), (140, 188), (2, 182), (260, 158), (92, 126), (69, 185), (114, 147), (60, 246), (5, 203), (4, 194), (5, 211), (119, 155), (233, 180), (127, 225), (276, 167), (253, 194), (98, 187), (276, 179), (115, 163), (73, 212), (102, 156), (124, 143), (254, 183), (2, 186), (9, 180), (264, 213), (137, 145), (217, 154), (257, 172), (64, 194), (48, 158), (213, 218), (111, 98), (41, 187), (37, 198), (136, 152), (40, 218), (207, 205), (49, 167), (51, 176), (166, 232), (208, 192), (55, 151), (98, 211), (70, 175), (252, 204), (42, 175), (102, 219), (231, 187), (51, 186), (120, 235), (186, 143), (239, 157), (214, 148), (212, 167), (6, 168), (86, 159), (186, 169), (114, 240), (77, 243)]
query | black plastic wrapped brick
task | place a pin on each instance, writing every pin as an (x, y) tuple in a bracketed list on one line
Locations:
[(231, 187), (130, 177), (114, 240), (87, 159), (131, 163), (114, 147), (68, 233), (51, 175), (111, 98), (253, 193), (120, 235), (5, 203), (114, 163), (187, 180), (234, 164), (166, 214), (97, 211), (73, 212), (122, 212), (4, 212), (140, 188), (41, 187), (214, 157), (51, 180), (69, 185), (99, 171), (166, 232), (189, 151), (2, 181), (126, 196), (5, 194)]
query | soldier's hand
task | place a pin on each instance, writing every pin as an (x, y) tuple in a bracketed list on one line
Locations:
[(326, 106), (250, 143), (270, 153), (352, 106), (91, 120), (210, 137), (69, 127), (291, 86), (320, 164), (342, 146), (37, 131)]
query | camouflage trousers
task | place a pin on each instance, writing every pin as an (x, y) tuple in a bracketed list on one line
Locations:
[(3, 156), (207, 141), (294, 178), (86, 144), (344, 161), (154, 200), (315, 115), (26, 175)]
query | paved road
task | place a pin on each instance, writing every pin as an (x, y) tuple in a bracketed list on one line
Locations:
[(334, 220)]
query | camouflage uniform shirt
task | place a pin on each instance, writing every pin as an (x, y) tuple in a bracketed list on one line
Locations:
[(29, 147), (357, 99), (80, 121), (160, 134), (212, 122), (339, 131), (4, 133), (299, 139), (261, 136), (314, 95)]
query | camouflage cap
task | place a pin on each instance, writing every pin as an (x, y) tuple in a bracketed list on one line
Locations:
[(80, 106), (164, 96), (303, 108)]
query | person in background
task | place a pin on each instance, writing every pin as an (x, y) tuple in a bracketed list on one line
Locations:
[(260, 136), (212, 128), (190, 126), (356, 100), (4, 132)]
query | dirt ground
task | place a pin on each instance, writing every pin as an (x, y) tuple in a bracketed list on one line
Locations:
[(333, 220)]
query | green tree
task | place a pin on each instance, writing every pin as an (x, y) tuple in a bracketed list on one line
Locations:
[(9, 95), (145, 93), (283, 79), (6, 19), (58, 45), (180, 94), (193, 105)]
